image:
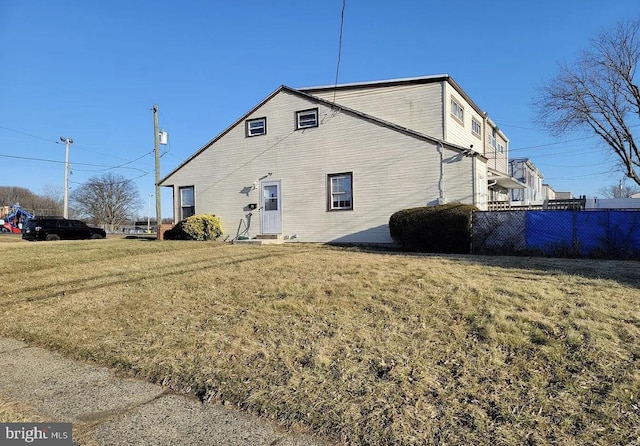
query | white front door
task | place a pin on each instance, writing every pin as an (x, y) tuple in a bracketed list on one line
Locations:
[(271, 215)]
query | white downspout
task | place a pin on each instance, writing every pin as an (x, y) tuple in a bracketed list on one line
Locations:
[(441, 176), (474, 180)]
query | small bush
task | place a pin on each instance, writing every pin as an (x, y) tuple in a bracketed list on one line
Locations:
[(445, 228), (196, 227)]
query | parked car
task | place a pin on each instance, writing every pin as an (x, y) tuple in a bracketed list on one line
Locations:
[(48, 228)]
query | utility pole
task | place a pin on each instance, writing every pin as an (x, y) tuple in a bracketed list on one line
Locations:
[(620, 190), (156, 145), (149, 215), (65, 204)]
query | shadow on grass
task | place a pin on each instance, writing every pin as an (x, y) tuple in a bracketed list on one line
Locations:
[(108, 279), (143, 237), (625, 272)]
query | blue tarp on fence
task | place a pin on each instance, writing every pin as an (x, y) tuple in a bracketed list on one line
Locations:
[(566, 233), (585, 232)]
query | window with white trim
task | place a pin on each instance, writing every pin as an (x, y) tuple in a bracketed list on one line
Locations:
[(476, 128), (340, 186), (500, 148), (457, 110), (307, 118), (187, 202), (256, 127)]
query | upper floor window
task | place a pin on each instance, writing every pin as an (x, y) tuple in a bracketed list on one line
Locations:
[(340, 191), (255, 127), (476, 128), (457, 110), (492, 140), (307, 118), (500, 148)]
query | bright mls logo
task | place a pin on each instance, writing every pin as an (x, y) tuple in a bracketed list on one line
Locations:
[(40, 434)]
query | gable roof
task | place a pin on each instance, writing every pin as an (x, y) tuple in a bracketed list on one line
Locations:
[(420, 80), (379, 83), (316, 99)]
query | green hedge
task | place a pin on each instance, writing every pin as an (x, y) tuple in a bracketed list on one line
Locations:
[(444, 229)]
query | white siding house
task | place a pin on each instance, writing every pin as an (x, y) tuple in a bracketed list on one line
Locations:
[(548, 193), (438, 107), (526, 172), (333, 164)]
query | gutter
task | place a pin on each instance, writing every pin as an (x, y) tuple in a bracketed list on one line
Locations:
[(441, 174), (474, 180)]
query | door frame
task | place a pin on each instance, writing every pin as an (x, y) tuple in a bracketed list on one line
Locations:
[(264, 227)]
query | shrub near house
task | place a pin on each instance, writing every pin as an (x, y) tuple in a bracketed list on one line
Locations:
[(196, 227), (444, 228)]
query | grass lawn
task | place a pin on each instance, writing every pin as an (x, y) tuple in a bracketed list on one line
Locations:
[(12, 412), (372, 348)]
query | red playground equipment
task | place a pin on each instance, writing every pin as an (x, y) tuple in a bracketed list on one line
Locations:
[(13, 221)]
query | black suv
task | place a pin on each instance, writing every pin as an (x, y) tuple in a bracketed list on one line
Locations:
[(49, 228)]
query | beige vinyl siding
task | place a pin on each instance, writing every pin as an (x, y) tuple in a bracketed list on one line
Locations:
[(391, 171), (481, 178), (416, 107), (460, 133), (458, 184), (497, 161), (502, 159), (459, 180), (489, 150)]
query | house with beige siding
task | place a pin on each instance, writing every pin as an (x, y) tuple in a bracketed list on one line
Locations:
[(332, 164), (523, 170), (435, 106)]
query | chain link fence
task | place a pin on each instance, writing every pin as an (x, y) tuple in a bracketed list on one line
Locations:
[(613, 234)]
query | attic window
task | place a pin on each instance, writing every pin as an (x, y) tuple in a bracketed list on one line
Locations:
[(457, 110), (256, 127), (476, 128), (307, 119)]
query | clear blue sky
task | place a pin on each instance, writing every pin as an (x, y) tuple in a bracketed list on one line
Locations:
[(93, 70)]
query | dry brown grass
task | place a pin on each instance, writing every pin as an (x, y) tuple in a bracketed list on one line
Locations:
[(16, 412), (367, 347)]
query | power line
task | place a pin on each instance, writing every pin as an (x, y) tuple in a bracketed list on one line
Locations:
[(567, 165), (339, 50), (550, 144), (27, 158), (31, 159), (30, 135), (121, 166), (81, 146), (579, 176), (561, 142), (126, 180)]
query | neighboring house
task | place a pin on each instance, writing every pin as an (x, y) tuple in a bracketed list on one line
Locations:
[(332, 164), (564, 196), (548, 193), (612, 203), (523, 170)]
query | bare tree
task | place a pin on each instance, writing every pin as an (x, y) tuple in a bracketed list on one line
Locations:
[(40, 205), (599, 93), (620, 190), (108, 199), (52, 201)]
